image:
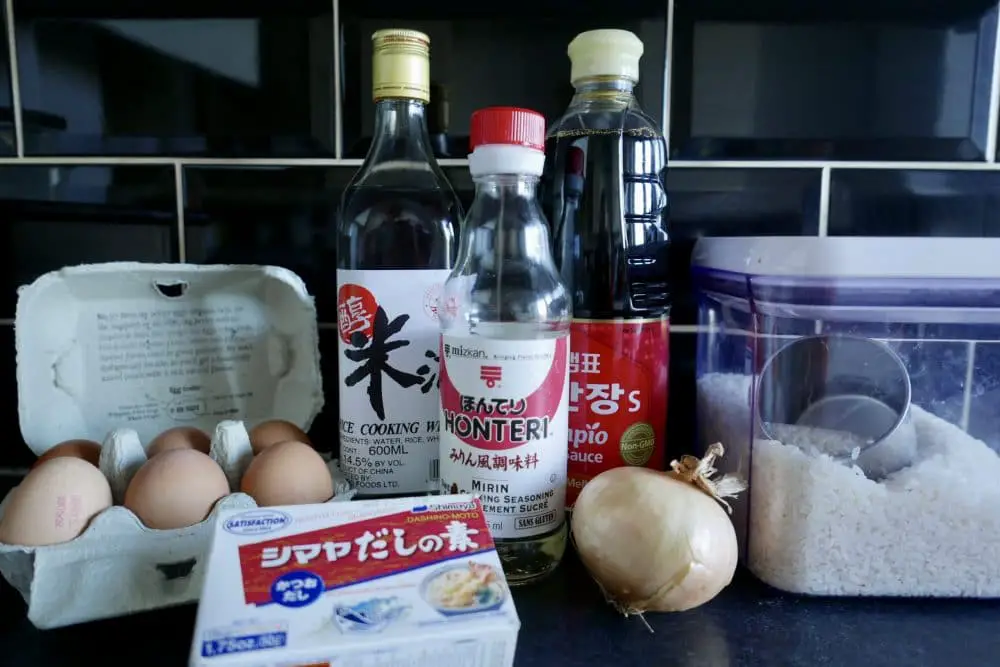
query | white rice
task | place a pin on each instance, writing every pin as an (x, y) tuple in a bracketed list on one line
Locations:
[(819, 526)]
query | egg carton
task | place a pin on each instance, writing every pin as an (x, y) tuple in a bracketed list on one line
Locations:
[(123, 351), (119, 566)]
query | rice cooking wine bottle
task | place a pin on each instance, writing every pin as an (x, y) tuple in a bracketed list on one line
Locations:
[(605, 196), (505, 351), (396, 246)]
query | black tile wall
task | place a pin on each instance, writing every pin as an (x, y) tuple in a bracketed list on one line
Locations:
[(7, 139), (324, 432), (867, 202), (852, 80), (243, 97), (54, 216), (474, 63), (734, 202), (221, 79), (284, 216), (14, 452)]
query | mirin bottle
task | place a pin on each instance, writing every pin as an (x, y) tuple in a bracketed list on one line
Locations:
[(505, 352)]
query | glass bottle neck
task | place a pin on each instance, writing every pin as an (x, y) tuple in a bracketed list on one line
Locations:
[(506, 220), (603, 89), (400, 131)]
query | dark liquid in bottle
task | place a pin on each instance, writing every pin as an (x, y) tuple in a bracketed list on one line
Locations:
[(607, 204), (398, 228)]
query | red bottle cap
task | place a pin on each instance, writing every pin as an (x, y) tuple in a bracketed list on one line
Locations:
[(508, 126)]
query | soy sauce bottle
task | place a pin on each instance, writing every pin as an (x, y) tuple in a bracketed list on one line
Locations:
[(605, 196)]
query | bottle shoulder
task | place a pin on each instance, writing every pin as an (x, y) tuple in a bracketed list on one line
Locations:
[(618, 118)]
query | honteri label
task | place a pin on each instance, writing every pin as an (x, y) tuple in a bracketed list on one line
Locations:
[(504, 428)]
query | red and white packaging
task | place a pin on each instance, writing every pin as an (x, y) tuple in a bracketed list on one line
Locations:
[(408, 582), (618, 397)]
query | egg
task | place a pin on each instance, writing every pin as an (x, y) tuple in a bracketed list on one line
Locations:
[(288, 473), (175, 489), (88, 450), (54, 503), (180, 437), (268, 433)]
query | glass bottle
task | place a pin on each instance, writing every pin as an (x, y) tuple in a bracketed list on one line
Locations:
[(396, 246), (505, 351), (605, 194)]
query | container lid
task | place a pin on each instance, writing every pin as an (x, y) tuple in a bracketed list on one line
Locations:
[(506, 140), (604, 53), (507, 126), (151, 346), (850, 257)]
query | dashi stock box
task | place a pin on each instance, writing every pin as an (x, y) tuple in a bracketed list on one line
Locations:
[(408, 582)]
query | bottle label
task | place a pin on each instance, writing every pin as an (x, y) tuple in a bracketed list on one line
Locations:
[(388, 363), (504, 409), (617, 397)]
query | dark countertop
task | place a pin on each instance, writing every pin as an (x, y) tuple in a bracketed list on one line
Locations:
[(565, 623)]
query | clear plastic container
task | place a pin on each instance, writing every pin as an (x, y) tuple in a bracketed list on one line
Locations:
[(815, 521)]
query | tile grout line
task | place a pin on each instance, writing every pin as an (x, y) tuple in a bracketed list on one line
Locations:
[(179, 202), (668, 65), (15, 78), (823, 223), (166, 160), (338, 125), (994, 111)]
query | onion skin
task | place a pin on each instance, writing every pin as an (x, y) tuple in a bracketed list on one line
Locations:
[(653, 542)]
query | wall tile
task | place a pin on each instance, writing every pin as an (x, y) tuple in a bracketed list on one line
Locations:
[(31, 117), (733, 202), (882, 80), (63, 215), (250, 79), (681, 405), (14, 453), (482, 56), (284, 216), (325, 432), (914, 203)]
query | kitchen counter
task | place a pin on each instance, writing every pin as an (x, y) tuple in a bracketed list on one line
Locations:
[(566, 624)]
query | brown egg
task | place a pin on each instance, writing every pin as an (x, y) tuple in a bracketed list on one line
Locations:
[(176, 488), (54, 502), (288, 473), (88, 450), (180, 437), (268, 433)]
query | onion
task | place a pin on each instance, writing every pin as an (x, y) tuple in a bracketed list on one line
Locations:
[(658, 541)]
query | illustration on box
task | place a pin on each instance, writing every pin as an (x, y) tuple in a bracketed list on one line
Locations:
[(158, 371), (365, 571)]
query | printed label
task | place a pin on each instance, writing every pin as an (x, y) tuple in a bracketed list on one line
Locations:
[(504, 407), (388, 363), (353, 553), (617, 397)]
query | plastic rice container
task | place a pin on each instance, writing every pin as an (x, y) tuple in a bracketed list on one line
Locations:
[(815, 519)]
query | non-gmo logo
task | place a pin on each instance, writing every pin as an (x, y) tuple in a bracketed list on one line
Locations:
[(256, 522)]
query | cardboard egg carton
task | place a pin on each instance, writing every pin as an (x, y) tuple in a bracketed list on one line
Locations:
[(121, 352)]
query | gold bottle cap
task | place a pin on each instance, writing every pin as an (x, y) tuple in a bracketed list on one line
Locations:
[(401, 65)]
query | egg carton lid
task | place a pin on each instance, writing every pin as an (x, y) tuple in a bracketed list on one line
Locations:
[(152, 346)]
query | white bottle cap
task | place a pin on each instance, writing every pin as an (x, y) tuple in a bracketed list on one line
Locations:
[(605, 53)]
